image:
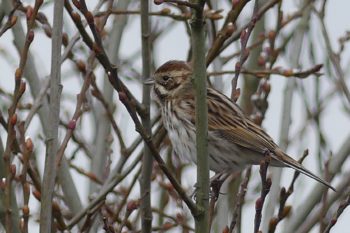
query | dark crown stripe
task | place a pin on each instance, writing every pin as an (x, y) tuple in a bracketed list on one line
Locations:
[(173, 65)]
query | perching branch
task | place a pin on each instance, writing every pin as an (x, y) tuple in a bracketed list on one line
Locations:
[(201, 109)]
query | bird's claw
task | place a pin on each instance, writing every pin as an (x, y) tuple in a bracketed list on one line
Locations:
[(215, 184)]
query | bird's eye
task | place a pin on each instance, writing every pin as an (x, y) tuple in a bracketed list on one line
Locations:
[(165, 78)]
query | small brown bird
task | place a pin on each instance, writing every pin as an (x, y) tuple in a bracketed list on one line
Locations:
[(234, 141)]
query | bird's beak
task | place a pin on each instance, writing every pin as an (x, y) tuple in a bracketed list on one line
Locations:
[(149, 81)]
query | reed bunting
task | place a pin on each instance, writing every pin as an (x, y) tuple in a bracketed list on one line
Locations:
[(234, 141)]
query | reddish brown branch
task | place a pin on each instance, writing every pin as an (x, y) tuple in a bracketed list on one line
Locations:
[(284, 210), (81, 98), (266, 184), (240, 199), (226, 30), (101, 56), (166, 12), (245, 34), (11, 21), (287, 73), (343, 205)]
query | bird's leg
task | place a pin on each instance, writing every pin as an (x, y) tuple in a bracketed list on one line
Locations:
[(267, 154), (216, 182), (218, 179), (215, 185)]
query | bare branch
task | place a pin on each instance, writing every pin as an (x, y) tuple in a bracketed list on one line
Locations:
[(52, 137)]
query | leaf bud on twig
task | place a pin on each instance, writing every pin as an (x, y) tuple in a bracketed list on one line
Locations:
[(29, 12), (29, 144), (13, 119), (30, 37)]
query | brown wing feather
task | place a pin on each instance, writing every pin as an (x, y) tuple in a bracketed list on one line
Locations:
[(230, 123), (228, 120)]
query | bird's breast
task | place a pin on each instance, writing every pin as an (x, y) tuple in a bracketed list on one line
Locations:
[(180, 130)]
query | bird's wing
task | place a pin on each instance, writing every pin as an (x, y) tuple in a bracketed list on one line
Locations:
[(247, 138), (228, 121)]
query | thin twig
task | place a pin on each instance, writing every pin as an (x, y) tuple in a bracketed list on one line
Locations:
[(284, 210), (176, 219), (240, 199), (11, 21), (337, 214), (313, 217), (334, 59), (266, 184), (102, 194), (226, 30), (287, 73), (81, 98), (37, 102), (244, 52), (236, 35)]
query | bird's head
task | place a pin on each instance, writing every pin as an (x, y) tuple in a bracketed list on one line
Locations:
[(172, 80)]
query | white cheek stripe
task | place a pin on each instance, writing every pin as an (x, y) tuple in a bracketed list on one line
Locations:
[(161, 89)]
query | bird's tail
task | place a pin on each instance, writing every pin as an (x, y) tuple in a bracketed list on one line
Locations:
[(290, 162)]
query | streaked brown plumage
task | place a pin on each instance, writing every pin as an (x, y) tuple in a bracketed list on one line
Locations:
[(234, 141)]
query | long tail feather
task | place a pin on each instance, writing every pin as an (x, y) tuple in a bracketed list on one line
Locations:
[(289, 162)]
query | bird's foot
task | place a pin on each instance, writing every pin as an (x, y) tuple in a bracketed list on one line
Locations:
[(215, 185)]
